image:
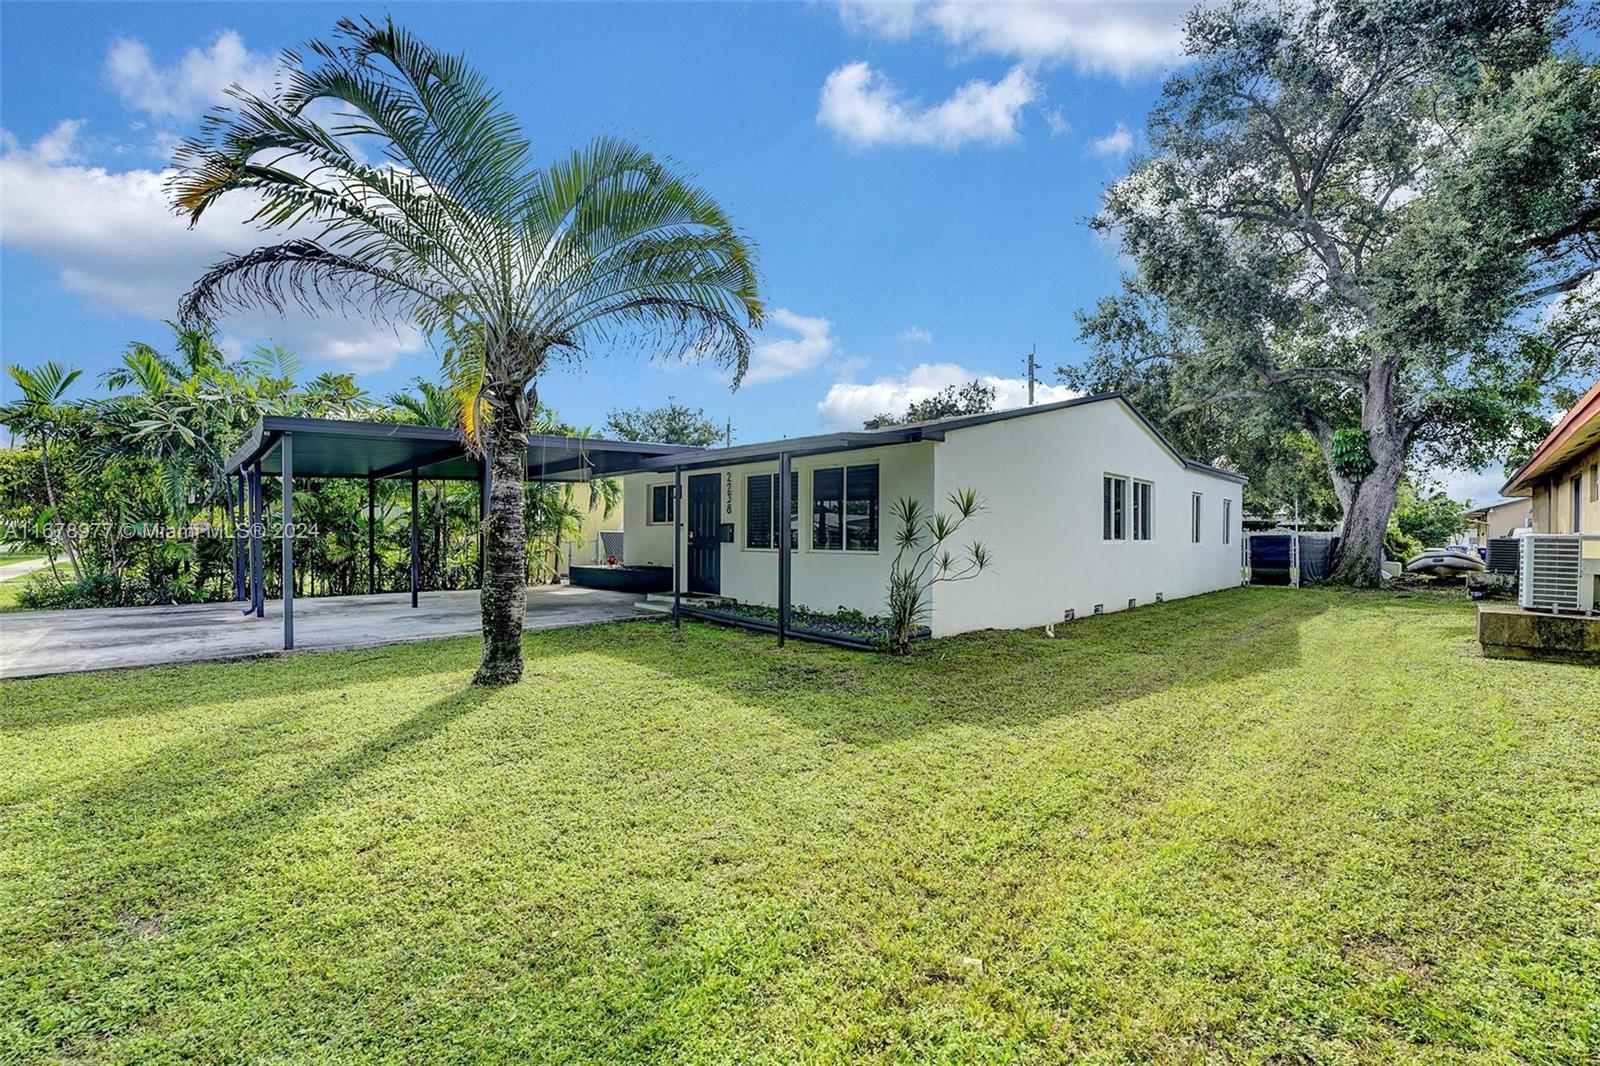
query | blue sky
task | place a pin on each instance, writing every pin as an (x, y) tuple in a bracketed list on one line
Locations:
[(917, 177)]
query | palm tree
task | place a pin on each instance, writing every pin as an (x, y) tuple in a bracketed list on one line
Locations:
[(455, 220), (39, 415)]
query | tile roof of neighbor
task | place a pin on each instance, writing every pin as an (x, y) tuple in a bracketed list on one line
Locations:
[(1574, 431)]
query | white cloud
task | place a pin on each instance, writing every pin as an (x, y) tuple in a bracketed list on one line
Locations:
[(1119, 142), (918, 335), (187, 88), (863, 106), (116, 244), (785, 357), (1056, 120), (1477, 487), (847, 404), (1111, 37)]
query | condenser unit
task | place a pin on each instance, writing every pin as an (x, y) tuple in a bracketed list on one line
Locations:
[(1560, 572), (1505, 555)]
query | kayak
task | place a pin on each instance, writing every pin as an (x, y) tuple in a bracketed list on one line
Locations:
[(1443, 562)]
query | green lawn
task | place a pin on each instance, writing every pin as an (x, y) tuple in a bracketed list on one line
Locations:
[(1262, 826), (11, 587)]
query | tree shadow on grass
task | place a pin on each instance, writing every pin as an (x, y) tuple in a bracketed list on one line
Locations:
[(31, 704), (990, 679), (178, 824)]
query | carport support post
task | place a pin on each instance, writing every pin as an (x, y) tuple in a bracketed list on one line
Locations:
[(372, 554), (288, 541), (415, 542), (258, 554), (784, 506), (235, 498), (677, 546)]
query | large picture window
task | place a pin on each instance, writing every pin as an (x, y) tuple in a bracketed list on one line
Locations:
[(762, 528), (844, 508), (660, 504)]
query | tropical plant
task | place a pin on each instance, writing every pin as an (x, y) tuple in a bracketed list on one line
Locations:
[(923, 559), (41, 416), (455, 221)]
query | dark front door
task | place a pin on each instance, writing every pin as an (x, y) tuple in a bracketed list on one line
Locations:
[(705, 547)]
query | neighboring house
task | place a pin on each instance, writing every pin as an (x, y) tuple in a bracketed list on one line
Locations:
[(1087, 507), (1499, 519), (1562, 478), (586, 548)]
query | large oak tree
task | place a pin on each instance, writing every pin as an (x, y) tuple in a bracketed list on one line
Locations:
[(1373, 220)]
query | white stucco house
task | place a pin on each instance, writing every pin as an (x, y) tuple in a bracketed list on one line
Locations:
[(1087, 508)]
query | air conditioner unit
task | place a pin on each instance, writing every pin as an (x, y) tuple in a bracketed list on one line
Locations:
[(1560, 572), (1505, 555)]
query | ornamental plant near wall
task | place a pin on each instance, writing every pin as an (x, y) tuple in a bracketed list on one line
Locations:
[(923, 558)]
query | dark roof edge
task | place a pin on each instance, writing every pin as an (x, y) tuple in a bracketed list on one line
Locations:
[(270, 427), (933, 430)]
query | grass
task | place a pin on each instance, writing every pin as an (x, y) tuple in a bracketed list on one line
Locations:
[(11, 587), (1259, 826)]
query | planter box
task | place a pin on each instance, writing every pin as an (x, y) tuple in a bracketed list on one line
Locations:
[(640, 579)]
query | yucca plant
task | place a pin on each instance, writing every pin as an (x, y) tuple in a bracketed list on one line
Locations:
[(453, 219), (923, 559)]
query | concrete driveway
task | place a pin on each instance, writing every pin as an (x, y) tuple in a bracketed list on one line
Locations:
[(62, 642)]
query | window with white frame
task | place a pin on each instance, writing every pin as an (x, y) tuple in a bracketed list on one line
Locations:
[(844, 508), (762, 527), (1194, 517), (1227, 521), (660, 504), (1140, 495), (1114, 507)]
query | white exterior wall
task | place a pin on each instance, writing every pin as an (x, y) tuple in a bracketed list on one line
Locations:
[(822, 580), (1040, 477)]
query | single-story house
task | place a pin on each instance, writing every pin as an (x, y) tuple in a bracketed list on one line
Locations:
[(1087, 509), (1499, 519), (1562, 477)]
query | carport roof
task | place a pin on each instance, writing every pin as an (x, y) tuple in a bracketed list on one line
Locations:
[(332, 447)]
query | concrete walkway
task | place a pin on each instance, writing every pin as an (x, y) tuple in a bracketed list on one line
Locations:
[(62, 642), (22, 569)]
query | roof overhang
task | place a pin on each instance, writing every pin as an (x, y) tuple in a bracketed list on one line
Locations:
[(342, 448), (794, 447), (828, 443), (1577, 432)]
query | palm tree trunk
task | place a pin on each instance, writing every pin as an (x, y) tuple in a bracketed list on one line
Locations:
[(50, 496), (504, 596)]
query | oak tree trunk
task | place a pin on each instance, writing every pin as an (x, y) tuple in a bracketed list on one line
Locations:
[(1368, 503), (504, 596), (1366, 520)]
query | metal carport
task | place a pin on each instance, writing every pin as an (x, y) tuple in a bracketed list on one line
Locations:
[(290, 447)]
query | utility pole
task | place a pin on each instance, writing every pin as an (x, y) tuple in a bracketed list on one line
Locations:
[(730, 432), (1033, 371)]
